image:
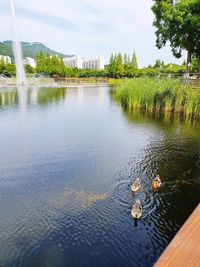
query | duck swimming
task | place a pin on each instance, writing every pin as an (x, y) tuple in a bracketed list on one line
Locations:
[(135, 187), (156, 183), (136, 211)]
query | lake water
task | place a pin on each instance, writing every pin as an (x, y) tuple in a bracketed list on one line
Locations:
[(67, 161)]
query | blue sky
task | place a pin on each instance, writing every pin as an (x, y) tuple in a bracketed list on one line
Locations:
[(87, 27)]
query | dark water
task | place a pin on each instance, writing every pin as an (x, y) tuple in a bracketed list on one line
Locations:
[(67, 160)]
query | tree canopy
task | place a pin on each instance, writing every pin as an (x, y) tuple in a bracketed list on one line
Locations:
[(121, 66), (178, 21), (53, 65)]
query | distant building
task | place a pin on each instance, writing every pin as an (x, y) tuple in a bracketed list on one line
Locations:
[(94, 63), (30, 61), (73, 62), (5, 59), (81, 63)]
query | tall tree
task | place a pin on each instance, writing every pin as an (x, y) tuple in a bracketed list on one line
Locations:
[(134, 62), (178, 21), (125, 59), (120, 66), (128, 61), (158, 64), (50, 64), (112, 65), (111, 59)]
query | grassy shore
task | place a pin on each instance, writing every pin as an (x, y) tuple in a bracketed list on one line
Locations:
[(157, 96)]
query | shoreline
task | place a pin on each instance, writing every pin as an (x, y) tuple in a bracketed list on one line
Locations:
[(54, 85), (50, 82)]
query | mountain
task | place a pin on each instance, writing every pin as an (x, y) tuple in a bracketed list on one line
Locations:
[(28, 49)]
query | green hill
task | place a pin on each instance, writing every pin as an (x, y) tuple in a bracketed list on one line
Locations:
[(28, 49)]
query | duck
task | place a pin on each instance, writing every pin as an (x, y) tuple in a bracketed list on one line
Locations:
[(135, 187), (156, 183), (136, 210)]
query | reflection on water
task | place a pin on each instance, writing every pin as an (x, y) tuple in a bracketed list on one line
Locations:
[(45, 96), (67, 165), (36, 95), (8, 98)]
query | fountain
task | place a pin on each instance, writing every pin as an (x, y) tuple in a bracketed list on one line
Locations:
[(20, 73)]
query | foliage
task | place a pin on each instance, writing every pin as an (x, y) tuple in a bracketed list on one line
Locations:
[(179, 23), (54, 66), (121, 66), (7, 69), (29, 69), (134, 62), (159, 64), (164, 96), (51, 65), (195, 66)]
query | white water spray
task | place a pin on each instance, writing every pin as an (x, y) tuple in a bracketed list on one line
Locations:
[(20, 73)]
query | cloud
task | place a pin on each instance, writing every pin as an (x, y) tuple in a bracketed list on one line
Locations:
[(88, 27), (55, 21)]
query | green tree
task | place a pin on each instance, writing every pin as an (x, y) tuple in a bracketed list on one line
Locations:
[(179, 23), (7, 69), (159, 64), (28, 68), (52, 65), (134, 62), (195, 65), (125, 59), (128, 67), (119, 67), (112, 67)]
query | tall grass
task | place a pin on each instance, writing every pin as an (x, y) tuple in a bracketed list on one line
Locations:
[(153, 95)]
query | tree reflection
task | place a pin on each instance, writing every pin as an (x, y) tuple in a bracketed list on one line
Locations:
[(8, 98), (41, 96)]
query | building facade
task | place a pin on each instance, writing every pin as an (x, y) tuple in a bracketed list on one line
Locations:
[(73, 62), (30, 61), (5, 59), (96, 63)]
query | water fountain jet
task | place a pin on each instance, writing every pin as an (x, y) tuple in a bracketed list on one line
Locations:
[(20, 73)]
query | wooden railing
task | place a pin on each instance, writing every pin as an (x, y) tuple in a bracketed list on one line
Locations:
[(184, 249)]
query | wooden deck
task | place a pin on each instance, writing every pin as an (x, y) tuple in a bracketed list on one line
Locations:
[(184, 249)]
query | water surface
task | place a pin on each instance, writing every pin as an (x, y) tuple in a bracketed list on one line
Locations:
[(67, 161)]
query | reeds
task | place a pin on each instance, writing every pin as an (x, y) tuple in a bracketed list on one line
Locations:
[(158, 96)]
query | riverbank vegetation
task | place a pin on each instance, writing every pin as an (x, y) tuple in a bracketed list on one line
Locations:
[(150, 95), (120, 66)]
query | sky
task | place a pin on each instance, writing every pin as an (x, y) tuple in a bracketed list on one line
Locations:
[(87, 28)]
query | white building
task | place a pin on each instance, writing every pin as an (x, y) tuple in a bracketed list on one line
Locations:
[(30, 61), (81, 63), (73, 62), (5, 59), (96, 63)]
